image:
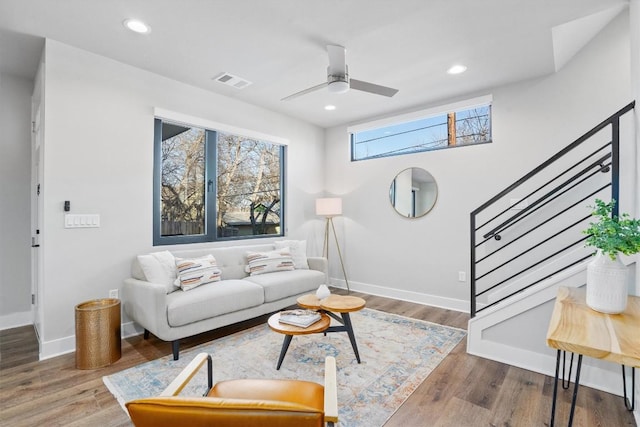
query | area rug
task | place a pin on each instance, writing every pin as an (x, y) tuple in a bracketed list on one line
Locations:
[(397, 354)]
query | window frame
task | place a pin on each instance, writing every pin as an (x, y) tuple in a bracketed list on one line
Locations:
[(442, 110), (211, 172)]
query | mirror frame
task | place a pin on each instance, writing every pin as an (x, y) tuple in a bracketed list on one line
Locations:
[(414, 189)]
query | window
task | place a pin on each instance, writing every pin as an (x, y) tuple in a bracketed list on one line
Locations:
[(215, 185), (406, 135)]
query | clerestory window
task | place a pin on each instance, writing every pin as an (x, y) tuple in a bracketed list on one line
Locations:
[(452, 126), (211, 184)]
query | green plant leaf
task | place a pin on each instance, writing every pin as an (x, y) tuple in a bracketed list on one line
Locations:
[(612, 234)]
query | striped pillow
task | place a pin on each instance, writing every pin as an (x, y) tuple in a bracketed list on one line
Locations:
[(193, 272), (268, 262)]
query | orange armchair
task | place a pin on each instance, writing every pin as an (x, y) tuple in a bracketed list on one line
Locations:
[(241, 403)]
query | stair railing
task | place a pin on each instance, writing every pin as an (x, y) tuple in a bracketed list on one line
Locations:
[(545, 232)]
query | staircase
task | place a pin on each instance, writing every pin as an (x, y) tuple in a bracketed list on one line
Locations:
[(527, 240)]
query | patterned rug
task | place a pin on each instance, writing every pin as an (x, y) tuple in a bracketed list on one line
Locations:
[(397, 354)]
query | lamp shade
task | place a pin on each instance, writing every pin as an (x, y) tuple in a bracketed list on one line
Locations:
[(329, 206)]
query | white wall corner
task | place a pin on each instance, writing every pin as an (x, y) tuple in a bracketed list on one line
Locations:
[(570, 37)]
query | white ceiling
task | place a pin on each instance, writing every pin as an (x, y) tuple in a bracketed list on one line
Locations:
[(280, 45)]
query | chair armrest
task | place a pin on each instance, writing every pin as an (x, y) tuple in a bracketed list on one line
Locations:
[(330, 391), (188, 373)]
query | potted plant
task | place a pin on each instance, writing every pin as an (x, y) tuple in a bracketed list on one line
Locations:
[(607, 287)]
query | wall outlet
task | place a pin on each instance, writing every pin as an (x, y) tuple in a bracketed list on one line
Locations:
[(113, 293), (462, 276)]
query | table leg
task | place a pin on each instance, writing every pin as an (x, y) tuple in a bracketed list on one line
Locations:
[(352, 337), (629, 404), (283, 351), (576, 384), (555, 390), (565, 385)]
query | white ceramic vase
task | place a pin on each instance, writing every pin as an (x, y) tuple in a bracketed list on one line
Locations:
[(323, 292), (607, 288)]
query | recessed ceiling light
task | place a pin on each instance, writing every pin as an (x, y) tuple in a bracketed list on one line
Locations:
[(329, 107), (457, 69), (137, 26)]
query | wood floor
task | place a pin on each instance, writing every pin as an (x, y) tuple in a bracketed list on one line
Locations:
[(462, 391)]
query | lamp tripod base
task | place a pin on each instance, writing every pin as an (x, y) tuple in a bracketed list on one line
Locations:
[(325, 247)]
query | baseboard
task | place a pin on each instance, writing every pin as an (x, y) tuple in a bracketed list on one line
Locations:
[(590, 376), (15, 320), (130, 329), (594, 374), (66, 345), (58, 347), (409, 296)]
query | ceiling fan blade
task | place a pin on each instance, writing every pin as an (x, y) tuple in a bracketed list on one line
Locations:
[(372, 88), (337, 60), (305, 91)]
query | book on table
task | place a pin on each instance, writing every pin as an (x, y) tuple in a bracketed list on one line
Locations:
[(299, 317)]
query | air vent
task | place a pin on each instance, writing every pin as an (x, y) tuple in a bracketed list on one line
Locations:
[(233, 81)]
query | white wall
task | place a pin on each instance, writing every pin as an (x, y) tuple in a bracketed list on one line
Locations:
[(419, 259), (634, 11), (98, 153), (15, 173)]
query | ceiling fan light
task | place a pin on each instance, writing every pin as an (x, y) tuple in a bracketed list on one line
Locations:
[(338, 86)]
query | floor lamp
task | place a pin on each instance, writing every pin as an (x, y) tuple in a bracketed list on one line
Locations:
[(329, 208)]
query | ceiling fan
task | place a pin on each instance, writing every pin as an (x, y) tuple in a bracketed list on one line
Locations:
[(338, 80)]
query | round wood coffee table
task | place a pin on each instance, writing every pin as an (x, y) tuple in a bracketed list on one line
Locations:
[(338, 307), (289, 331)]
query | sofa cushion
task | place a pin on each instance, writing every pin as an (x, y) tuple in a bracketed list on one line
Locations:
[(269, 262), (212, 299), (160, 268), (194, 272), (284, 284), (231, 260), (298, 249)]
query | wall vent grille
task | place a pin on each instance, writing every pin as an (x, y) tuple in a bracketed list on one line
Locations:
[(232, 80)]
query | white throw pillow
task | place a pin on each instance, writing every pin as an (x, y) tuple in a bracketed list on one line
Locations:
[(268, 262), (193, 272), (160, 268), (298, 250)]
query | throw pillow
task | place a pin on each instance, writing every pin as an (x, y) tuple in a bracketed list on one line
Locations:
[(298, 250), (159, 267), (268, 262), (193, 272)]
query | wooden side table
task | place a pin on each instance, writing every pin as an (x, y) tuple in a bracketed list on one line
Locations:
[(290, 330), (338, 307), (576, 328)]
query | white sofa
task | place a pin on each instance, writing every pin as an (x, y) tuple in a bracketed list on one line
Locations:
[(174, 314)]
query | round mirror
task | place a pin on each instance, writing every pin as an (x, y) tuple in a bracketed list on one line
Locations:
[(413, 192)]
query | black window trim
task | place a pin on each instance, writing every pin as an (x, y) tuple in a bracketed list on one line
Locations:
[(211, 190)]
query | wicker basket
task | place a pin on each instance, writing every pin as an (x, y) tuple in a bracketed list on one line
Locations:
[(97, 333)]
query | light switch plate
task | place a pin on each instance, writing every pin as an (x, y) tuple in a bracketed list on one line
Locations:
[(81, 220)]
